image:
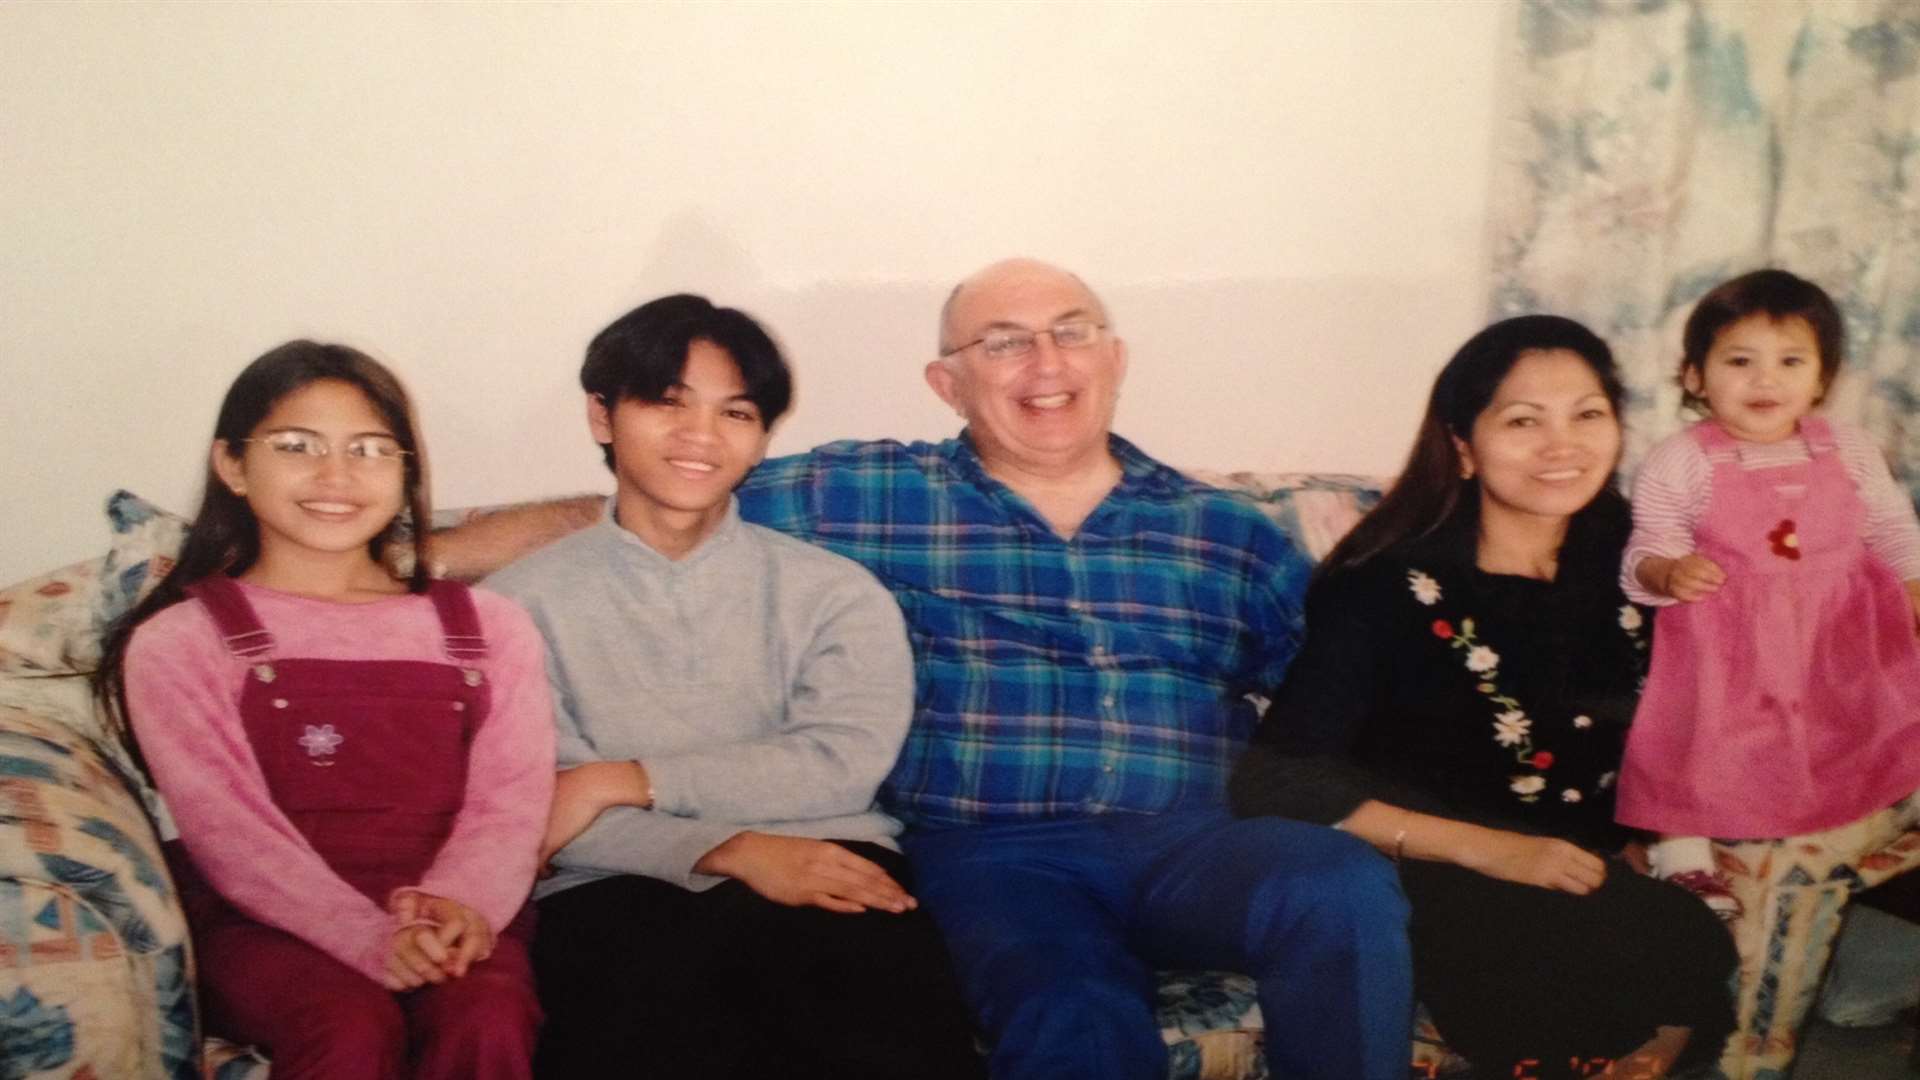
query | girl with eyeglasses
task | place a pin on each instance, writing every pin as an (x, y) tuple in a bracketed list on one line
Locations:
[(358, 767)]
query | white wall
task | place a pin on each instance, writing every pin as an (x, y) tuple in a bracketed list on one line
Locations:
[(1283, 203)]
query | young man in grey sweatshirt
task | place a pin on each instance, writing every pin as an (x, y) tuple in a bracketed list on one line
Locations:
[(726, 899)]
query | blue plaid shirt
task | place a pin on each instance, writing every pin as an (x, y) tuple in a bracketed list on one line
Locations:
[(1055, 678)]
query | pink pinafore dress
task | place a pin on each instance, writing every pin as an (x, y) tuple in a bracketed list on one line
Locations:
[(1788, 701), (368, 759)]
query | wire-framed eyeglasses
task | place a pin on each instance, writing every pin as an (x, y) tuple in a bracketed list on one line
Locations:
[(1014, 342), (309, 447)]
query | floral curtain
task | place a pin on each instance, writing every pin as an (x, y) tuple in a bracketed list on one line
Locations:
[(1654, 148)]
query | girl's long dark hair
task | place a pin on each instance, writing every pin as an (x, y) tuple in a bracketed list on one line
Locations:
[(225, 535), (1430, 489)]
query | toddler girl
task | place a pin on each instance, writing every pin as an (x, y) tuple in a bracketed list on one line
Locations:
[(1784, 695), (359, 767)]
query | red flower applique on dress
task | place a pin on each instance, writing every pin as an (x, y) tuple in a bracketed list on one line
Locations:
[(1785, 541)]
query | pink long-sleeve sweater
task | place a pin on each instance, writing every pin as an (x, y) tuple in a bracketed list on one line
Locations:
[(183, 690)]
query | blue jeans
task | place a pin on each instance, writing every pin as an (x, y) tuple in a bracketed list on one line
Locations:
[(1056, 928)]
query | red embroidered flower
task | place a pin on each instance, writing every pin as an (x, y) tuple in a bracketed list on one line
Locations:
[(1785, 541), (1543, 760), (1442, 629), (54, 588)]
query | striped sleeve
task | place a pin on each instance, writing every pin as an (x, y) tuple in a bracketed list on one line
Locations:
[(1892, 531), (1670, 492)]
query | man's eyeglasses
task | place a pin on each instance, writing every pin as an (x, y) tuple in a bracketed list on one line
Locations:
[(308, 447), (1012, 342)]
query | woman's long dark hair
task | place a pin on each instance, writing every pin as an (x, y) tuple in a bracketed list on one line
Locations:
[(1430, 489), (225, 535)]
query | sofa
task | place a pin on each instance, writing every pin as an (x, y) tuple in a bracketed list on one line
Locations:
[(96, 969)]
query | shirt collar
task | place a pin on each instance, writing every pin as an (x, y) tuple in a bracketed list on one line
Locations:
[(1140, 475), (722, 537)]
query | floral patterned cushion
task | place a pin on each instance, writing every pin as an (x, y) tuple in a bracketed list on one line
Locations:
[(46, 623), (1316, 509), (1212, 1026), (1795, 892), (48, 645), (95, 977), (230, 1061), (1213, 1029), (145, 541)]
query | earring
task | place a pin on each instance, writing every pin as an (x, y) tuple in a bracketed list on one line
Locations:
[(1466, 470)]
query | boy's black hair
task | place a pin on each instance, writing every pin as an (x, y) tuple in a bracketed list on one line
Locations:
[(643, 354)]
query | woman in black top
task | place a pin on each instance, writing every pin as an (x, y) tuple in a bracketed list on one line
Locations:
[(1461, 703)]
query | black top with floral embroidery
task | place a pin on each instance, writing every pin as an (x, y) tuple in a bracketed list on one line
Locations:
[(1428, 683)]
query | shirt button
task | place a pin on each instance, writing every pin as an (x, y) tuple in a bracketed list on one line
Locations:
[(459, 706), (1075, 605), (1106, 768), (279, 703), (1099, 650), (1107, 701)]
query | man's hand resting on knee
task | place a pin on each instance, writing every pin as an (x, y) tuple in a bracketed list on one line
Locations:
[(798, 871)]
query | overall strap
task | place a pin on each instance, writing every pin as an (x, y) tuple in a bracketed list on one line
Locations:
[(245, 636), (1714, 440), (1818, 434), (459, 622)]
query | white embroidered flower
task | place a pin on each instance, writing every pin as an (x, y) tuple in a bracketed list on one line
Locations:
[(1510, 727), (1583, 721), (1570, 795), (1629, 617), (1528, 785), (321, 740), (1425, 589), (1482, 659), (1605, 781)]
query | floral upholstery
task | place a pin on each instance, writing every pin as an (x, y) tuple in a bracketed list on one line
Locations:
[(145, 541), (95, 972), (1794, 891), (43, 618)]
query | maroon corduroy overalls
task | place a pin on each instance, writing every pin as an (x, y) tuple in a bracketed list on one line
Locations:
[(368, 759)]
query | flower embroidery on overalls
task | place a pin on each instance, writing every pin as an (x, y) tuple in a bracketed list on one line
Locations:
[(1512, 727), (321, 742), (1785, 540)]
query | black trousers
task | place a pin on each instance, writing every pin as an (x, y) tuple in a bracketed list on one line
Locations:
[(1531, 983), (643, 979)]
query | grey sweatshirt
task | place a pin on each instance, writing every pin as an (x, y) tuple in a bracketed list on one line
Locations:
[(765, 683)]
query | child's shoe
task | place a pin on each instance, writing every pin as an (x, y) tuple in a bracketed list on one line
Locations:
[(1713, 889)]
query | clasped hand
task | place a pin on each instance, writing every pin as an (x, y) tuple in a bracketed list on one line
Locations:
[(438, 938)]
